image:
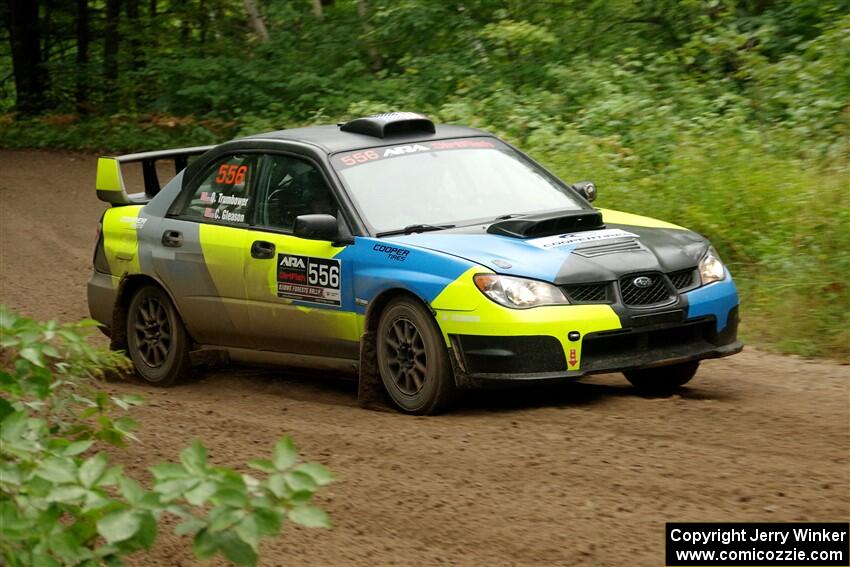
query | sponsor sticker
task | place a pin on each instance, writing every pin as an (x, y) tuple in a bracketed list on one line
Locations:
[(571, 239), (136, 223), (305, 278), (365, 156), (392, 252)]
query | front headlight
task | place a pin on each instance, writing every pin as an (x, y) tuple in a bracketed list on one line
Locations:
[(518, 293), (711, 269)]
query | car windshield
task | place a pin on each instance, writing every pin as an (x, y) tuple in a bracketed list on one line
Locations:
[(447, 182)]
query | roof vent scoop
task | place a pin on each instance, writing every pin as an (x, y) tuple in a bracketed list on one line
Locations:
[(390, 124)]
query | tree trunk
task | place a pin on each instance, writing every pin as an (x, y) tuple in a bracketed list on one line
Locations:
[(376, 61), (83, 37), (111, 42), (27, 63), (317, 9), (132, 8), (46, 32), (256, 20), (203, 24)]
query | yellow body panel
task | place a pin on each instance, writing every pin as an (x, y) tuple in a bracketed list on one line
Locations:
[(121, 243), (224, 249), (270, 312), (490, 319), (460, 295), (619, 217), (109, 175)]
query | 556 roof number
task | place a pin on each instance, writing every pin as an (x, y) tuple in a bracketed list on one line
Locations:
[(360, 157)]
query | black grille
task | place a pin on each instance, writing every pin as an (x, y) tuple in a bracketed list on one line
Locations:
[(622, 349), (588, 293), (682, 280), (593, 250), (654, 293), (512, 354)]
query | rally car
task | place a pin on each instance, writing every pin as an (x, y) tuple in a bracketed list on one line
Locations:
[(425, 258)]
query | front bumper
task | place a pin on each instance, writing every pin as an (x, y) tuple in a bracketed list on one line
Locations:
[(536, 359), (497, 345)]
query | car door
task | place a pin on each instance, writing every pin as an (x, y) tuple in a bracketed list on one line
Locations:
[(300, 291), (201, 254)]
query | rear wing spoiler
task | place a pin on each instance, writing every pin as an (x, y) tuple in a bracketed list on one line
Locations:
[(110, 181)]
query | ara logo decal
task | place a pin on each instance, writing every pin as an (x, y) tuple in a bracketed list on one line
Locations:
[(287, 261), (400, 150)]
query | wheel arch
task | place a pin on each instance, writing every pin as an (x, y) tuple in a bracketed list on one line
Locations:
[(370, 390), (127, 287), (380, 302)]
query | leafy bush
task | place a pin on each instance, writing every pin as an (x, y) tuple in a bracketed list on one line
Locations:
[(63, 503)]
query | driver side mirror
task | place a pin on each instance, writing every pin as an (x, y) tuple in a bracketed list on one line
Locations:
[(316, 227), (586, 189)]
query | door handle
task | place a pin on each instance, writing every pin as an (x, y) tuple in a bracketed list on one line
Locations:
[(172, 238), (262, 250)]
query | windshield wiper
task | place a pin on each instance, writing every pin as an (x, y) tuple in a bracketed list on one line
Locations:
[(411, 228), (510, 216)]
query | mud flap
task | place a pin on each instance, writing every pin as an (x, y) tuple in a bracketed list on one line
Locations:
[(118, 334), (370, 389)]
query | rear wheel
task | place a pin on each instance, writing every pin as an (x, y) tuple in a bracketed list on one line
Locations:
[(413, 359), (662, 379), (156, 338)]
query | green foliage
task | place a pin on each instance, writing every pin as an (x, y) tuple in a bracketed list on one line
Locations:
[(63, 503)]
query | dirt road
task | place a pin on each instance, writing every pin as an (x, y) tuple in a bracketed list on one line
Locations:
[(584, 474)]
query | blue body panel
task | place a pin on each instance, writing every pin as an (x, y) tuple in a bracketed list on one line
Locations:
[(525, 259), (425, 273), (716, 299)]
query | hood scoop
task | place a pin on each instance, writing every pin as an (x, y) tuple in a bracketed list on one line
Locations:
[(548, 224)]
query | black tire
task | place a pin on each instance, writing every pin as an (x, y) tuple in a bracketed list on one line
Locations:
[(413, 360), (662, 380), (157, 341)]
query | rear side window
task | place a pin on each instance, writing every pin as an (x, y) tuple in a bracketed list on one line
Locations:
[(225, 192)]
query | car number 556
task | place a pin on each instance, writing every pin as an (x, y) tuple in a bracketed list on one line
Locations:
[(323, 275)]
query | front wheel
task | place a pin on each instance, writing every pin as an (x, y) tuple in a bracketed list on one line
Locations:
[(413, 360), (157, 342), (662, 380)]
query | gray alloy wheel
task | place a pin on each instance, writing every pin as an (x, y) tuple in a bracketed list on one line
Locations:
[(156, 339), (662, 380), (413, 360)]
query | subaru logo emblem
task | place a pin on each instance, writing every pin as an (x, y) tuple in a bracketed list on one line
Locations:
[(642, 282)]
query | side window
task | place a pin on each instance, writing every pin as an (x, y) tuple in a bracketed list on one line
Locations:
[(290, 187), (225, 192)]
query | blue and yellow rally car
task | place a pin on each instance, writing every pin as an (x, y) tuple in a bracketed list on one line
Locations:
[(428, 259)]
